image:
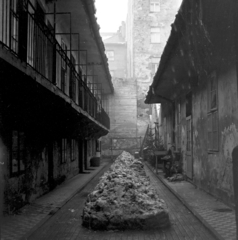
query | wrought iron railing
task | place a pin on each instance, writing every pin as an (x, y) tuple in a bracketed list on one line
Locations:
[(24, 33)]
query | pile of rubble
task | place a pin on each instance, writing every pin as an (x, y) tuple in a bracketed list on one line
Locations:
[(124, 199)]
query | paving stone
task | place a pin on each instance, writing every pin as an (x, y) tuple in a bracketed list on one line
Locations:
[(203, 206)]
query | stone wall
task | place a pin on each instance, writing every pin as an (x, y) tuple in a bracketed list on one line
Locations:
[(122, 113), (141, 51)]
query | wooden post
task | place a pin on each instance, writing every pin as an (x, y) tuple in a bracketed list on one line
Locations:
[(235, 183)]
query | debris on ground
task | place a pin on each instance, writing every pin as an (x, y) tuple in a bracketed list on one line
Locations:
[(124, 199), (176, 177)]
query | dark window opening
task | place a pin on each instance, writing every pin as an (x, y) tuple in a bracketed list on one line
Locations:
[(18, 153)]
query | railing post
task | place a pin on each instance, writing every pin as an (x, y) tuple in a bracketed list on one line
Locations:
[(235, 183)]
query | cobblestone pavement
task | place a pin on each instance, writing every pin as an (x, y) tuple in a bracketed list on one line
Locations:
[(31, 216), (66, 223), (217, 216)]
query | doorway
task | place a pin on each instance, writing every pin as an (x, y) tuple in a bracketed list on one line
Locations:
[(85, 154), (50, 166), (80, 156), (189, 136)]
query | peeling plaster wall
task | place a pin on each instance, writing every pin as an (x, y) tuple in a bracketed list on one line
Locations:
[(212, 171), (35, 181), (141, 50), (122, 113)]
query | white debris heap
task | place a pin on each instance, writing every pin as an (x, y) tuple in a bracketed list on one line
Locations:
[(124, 199)]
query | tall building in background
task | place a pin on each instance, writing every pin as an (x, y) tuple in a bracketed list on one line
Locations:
[(147, 29), (133, 55), (123, 103), (115, 45)]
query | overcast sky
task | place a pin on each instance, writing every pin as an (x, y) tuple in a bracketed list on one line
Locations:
[(110, 14)]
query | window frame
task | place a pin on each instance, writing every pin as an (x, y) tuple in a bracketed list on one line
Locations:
[(154, 64), (63, 66), (73, 150), (63, 150), (19, 151), (212, 114), (155, 35), (153, 4)]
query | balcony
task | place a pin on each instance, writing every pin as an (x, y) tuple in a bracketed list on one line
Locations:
[(25, 34)]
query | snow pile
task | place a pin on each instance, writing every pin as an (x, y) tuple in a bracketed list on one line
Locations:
[(124, 199)]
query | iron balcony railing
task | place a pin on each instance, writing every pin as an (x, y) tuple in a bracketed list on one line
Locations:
[(26, 35)]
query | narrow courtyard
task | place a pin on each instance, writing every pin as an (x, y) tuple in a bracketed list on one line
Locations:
[(84, 82), (66, 223)]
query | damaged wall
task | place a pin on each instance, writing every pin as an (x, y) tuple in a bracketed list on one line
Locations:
[(122, 113), (212, 170), (144, 55)]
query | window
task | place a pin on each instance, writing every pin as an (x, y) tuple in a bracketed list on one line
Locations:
[(14, 26), (212, 115), (72, 150), (155, 35), (18, 153), (110, 55), (63, 65), (72, 83), (154, 5), (64, 151), (154, 65)]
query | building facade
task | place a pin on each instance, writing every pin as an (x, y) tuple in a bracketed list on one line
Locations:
[(196, 84), (54, 83), (148, 27), (122, 104), (115, 46)]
